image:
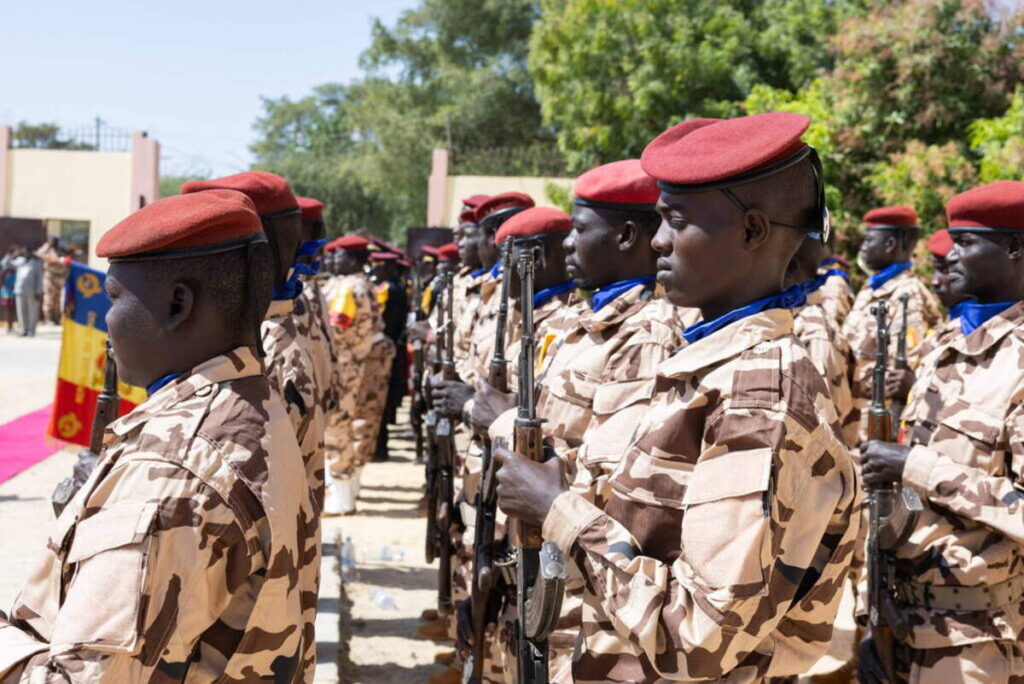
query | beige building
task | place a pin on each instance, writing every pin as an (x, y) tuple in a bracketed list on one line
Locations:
[(445, 193), (76, 195)]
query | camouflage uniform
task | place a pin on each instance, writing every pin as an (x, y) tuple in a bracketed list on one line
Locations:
[(291, 371), (55, 273), (731, 518), (359, 337), (965, 426), (836, 299), (467, 304), (179, 555), (325, 353), (923, 313)]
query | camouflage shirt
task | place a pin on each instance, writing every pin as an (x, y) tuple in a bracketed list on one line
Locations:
[(355, 315), (177, 560), (859, 330), (965, 423), (831, 356), (325, 353), (731, 520), (836, 299)]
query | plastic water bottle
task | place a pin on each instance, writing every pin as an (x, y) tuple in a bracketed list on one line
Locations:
[(348, 559), (383, 553), (383, 600)]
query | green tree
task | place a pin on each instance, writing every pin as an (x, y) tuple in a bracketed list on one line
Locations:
[(1000, 142), (44, 136)]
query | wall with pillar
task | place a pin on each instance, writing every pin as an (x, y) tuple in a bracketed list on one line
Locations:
[(73, 185), (445, 193)]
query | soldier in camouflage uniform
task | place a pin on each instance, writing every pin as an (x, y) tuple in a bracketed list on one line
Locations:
[(939, 244), (960, 577), (890, 236), (289, 359), (55, 274), (364, 358), (836, 294), (731, 518), (177, 559)]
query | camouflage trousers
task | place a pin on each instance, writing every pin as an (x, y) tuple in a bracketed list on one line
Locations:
[(352, 428), (982, 663), (52, 290)]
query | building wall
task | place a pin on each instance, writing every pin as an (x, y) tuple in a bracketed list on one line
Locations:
[(99, 187)]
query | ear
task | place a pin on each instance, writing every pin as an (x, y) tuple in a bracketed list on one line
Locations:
[(628, 236), (892, 243), (183, 300), (756, 229)]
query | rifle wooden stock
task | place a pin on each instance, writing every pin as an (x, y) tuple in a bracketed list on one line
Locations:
[(108, 405), (529, 443)]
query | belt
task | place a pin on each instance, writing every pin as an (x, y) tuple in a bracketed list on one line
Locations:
[(952, 597)]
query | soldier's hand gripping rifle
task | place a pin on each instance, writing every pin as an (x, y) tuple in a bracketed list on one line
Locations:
[(893, 515), (430, 427), (540, 568), (444, 437), (484, 596), (108, 404), (901, 363)]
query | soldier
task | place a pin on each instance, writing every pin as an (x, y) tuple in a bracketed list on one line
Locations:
[(178, 557), (394, 301), (960, 577), (836, 294), (889, 239), (55, 273), (289, 359), (364, 361), (731, 518)]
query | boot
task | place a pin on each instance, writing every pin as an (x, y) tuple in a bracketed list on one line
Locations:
[(434, 631), (340, 500), (444, 657), (429, 615)]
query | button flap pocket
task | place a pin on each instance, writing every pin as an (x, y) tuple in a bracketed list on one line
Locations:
[(111, 528), (573, 387), (732, 474), (612, 397), (976, 424)]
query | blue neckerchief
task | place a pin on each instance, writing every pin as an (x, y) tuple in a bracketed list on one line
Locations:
[(308, 248), (608, 293), (957, 310), (155, 386), (291, 288), (888, 273), (815, 283), (478, 272), (973, 315), (790, 298), (547, 294), (496, 269)]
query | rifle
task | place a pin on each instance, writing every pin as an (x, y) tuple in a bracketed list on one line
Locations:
[(483, 595), (893, 515), (445, 447), (900, 403), (108, 405), (430, 427), (540, 569), (418, 406)]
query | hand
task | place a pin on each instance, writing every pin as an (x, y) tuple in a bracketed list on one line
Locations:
[(898, 383), (883, 462), (420, 330), (450, 396), (526, 489), (869, 667), (488, 404)]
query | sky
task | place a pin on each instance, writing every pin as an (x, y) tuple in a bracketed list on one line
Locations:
[(189, 73)]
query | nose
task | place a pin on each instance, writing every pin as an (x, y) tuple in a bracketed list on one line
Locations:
[(660, 242), (569, 243)]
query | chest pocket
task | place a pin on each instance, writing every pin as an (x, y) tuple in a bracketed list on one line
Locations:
[(726, 520), (617, 409), (968, 435), (109, 552)]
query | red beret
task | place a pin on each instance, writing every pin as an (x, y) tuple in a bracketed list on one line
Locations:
[(268, 191), (619, 185), (467, 216), (940, 243), (474, 201), (404, 262), (429, 250), (996, 207), (534, 221), (506, 200), (184, 225), (350, 243), (383, 256), (311, 209), (891, 217), (448, 251), (702, 151)]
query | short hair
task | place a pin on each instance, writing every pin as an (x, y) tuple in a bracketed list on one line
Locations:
[(789, 196), (648, 220)]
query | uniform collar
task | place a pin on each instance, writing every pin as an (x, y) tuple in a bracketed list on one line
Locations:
[(280, 307), (889, 286), (728, 342), (240, 362), (790, 298), (622, 307), (547, 294), (990, 332), (603, 296), (888, 273)]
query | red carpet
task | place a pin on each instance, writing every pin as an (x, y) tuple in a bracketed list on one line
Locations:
[(23, 443)]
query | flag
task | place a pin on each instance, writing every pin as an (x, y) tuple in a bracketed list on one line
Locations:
[(83, 352)]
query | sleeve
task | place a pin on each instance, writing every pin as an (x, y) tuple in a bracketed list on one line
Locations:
[(750, 526), (177, 560), (994, 501)]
